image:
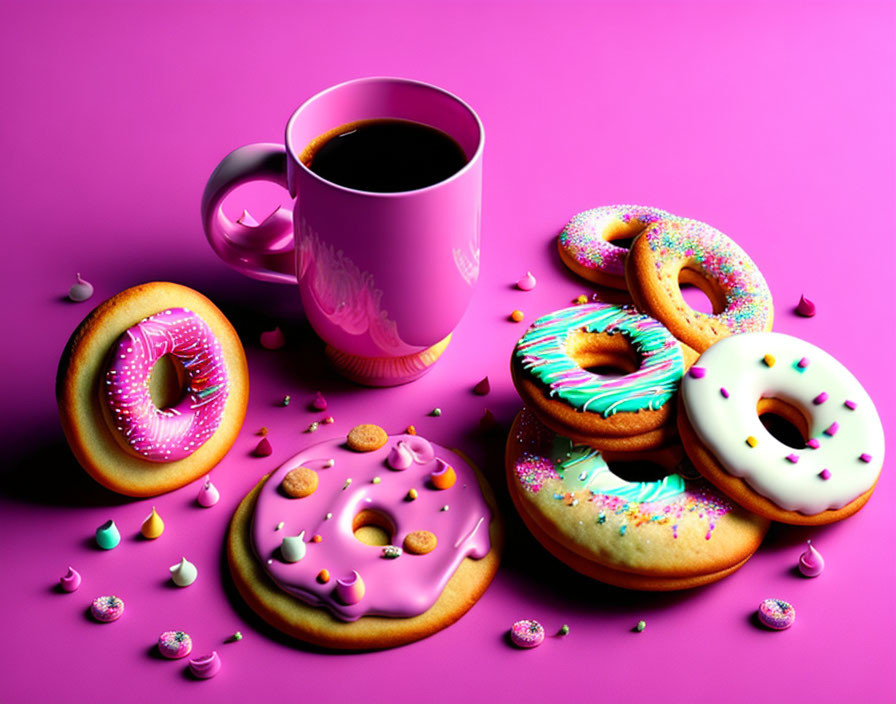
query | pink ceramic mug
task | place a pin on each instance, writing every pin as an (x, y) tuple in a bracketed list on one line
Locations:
[(384, 277)]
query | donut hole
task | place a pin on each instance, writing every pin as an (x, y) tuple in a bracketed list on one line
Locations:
[(623, 234), (373, 527), (602, 354), (636, 471), (167, 382), (784, 422), (701, 293)]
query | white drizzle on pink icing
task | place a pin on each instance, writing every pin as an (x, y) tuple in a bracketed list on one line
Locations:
[(402, 587), (167, 434)]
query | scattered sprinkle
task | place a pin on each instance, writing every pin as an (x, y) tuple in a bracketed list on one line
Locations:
[(581, 299), (348, 483), (410, 430), (851, 405), (328, 516), (641, 626), (564, 630), (527, 282), (805, 307), (792, 457), (319, 403), (865, 457), (832, 429), (279, 526), (483, 387), (263, 448), (488, 422), (329, 463), (724, 392), (235, 637), (80, 291), (813, 443), (752, 441), (313, 427), (821, 398), (769, 360), (316, 538), (517, 316), (263, 430), (391, 551), (329, 419), (436, 412), (412, 494), (803, 363), (323, 576), (444, 508), (825, 474), (273, 339), (375, 480), (697, 372), (285, 400)]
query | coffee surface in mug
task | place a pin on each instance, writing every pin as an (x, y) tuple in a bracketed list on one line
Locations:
[(384, 155)]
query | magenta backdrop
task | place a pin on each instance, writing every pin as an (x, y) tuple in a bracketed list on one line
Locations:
[(772, 121)]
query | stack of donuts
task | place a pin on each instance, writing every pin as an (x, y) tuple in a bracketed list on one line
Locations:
[(641, 458)]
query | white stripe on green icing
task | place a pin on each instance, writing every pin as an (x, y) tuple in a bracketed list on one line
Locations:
[(583, 468), (542, 351)]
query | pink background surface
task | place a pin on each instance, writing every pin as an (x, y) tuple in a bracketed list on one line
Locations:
[(771, 121)]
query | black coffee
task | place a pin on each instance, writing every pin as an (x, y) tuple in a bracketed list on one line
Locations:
[(384, 156)]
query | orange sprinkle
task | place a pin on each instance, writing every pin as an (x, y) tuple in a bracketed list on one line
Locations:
[(316, 538), (323, 576), (410, 430), (262, 431), (769, 360), (580, 299), (751, 441), (516, 316)]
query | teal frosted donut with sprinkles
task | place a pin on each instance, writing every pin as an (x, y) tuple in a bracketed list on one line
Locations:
[(629, 519), (735, 382), (682, 251), (586, 244), (603, 374)]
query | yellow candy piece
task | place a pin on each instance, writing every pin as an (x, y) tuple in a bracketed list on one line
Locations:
[(580, 299), (412, 494), (769, 360), (516, 316), (752, 442), (153, 526)]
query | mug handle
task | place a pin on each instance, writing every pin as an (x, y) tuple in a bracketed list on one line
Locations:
[(263, 250)]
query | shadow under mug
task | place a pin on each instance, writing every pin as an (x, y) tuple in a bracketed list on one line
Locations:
[(384, 278)]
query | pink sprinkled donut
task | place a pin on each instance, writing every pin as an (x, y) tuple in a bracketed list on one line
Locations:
[(776, 614), (527, 633), (586, 243), (152, 389), (107, 608), (167, 434), (175, 644)]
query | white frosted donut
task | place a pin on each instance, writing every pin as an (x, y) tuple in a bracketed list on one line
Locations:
[(844, 451)]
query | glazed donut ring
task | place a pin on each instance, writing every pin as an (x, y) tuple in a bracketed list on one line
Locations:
[(657, 534), (126, 334), (550, 369), (677, 251), (586, 243), (741, 377)]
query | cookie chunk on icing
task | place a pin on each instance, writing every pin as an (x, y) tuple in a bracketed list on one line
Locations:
[(401, 586)]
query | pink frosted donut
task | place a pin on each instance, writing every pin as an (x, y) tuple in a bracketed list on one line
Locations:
[(107, 608), (175, 644), (586, 243), (527, 634), (166, 434)]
